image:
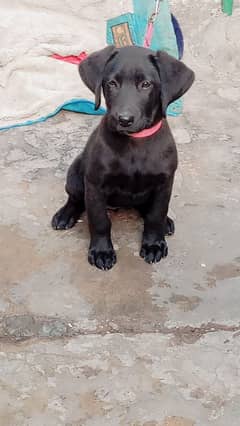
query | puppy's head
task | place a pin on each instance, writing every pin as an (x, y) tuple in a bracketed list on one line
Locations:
[(138, 84)]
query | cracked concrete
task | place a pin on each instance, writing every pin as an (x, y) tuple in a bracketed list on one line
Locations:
[(141, 345)]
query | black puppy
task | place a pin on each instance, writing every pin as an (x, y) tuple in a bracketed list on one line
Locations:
[(130, 158)]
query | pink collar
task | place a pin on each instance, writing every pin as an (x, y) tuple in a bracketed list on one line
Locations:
[(147, 132)]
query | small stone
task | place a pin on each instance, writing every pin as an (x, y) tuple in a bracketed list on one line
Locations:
[(113, 326)]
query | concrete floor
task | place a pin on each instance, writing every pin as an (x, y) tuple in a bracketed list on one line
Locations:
[(140, 345)]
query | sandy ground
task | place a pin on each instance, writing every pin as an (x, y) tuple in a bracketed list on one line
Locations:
[(141, 345)]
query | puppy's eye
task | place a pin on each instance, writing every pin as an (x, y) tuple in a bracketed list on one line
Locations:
[(146, 84), (112, 83)]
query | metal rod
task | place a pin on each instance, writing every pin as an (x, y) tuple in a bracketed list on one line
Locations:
[(157, 5)]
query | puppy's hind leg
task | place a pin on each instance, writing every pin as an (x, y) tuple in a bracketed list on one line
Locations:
[(69, 214), (170, 226)]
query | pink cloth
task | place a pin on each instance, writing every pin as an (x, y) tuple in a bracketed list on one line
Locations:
[(72, 59)]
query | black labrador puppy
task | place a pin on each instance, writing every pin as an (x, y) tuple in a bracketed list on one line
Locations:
[(130, 158)]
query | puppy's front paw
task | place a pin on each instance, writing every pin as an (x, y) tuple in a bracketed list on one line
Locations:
[(153, 253), (65, 218), (102, 259)]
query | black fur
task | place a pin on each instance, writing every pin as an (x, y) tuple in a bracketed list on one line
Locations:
[(116, 169)]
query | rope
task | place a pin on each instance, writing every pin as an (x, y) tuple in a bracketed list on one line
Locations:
[(150, 27)]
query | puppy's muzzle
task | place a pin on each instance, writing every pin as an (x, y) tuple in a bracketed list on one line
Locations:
[(125, 120)]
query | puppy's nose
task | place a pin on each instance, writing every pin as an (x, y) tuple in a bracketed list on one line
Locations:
[(125, 120)]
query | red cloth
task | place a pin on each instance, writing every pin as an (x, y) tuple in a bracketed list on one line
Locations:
[(72, 59)]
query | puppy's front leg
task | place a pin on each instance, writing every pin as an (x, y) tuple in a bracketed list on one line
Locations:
[(101, 252), (154, 246)]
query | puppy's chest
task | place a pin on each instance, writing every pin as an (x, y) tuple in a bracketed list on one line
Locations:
[(134, 175)]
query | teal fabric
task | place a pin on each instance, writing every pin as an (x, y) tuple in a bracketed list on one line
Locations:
[(130, 18), (163, 36)]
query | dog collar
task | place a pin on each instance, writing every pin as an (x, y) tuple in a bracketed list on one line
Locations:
[(147, 132)]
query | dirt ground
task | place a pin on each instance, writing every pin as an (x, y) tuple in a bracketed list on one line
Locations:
[(140, 345)]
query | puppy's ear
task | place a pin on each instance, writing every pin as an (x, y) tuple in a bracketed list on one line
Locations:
[(91, 70), (176, 78)]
